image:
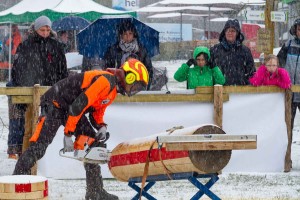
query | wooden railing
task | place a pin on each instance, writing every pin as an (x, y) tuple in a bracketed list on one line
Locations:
[(215, 94)]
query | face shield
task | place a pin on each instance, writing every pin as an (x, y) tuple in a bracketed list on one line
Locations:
[(136, 87)]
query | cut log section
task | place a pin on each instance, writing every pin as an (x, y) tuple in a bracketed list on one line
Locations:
[(23, 187), (128, 159)]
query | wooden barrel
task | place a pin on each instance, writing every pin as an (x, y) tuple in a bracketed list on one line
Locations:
[(23, 187), (128, 159)]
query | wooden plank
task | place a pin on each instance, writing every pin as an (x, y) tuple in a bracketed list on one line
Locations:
[(21, 90), (204, 90), (163, 98), (295, 88), (205, 138), (27, 195), (252, 89), (168, 98), (218, 105), (21, 99), (143, 98), (15, 90), (211, 145)]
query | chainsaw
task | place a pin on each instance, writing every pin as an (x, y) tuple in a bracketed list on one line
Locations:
[(92, 150)]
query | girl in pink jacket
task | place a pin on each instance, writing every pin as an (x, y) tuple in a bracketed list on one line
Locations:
[(271, 74)]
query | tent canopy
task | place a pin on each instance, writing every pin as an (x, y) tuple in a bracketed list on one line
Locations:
[(29, 10)]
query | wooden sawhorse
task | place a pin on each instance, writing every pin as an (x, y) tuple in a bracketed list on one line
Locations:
[(191, 176)]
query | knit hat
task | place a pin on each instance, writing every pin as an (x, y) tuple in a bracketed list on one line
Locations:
[(42, 21)]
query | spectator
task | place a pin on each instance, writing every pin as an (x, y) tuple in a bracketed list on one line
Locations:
[(234, 59), (16, 40), (16, 121), (128, 45), (63, 37), (271, 74), (39, 60), (289, 58), (202, 74)]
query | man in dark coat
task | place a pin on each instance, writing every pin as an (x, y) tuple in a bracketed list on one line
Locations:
[(128, 45), (234, 59), (39, 60)]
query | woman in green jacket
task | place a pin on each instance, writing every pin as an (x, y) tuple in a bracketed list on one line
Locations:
[(202, 74)]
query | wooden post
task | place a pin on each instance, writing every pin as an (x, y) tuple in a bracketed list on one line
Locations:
[(218, 105), (35, 114), (288, 121), (269, 24), (28, 127)]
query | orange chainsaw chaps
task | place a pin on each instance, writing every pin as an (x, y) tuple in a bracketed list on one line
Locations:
[(81, 140)]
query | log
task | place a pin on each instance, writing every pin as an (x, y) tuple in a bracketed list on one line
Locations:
[(128, 159), (23, 187)]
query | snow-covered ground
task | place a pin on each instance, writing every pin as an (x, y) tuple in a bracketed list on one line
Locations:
[(231, 186)]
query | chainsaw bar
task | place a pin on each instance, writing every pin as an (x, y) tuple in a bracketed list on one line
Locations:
[(96, 155)]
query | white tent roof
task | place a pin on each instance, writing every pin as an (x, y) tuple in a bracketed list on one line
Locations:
[(64, 6), (168, 15), (181, 8), (28, 10), (211, 2), (74, 6)]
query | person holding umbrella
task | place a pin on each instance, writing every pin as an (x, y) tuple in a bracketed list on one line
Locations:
[(127, 46)]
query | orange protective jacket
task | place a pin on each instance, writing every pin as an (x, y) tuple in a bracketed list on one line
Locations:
[(89, 92)]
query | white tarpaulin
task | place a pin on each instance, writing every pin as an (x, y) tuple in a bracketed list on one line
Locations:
[(244, 114)]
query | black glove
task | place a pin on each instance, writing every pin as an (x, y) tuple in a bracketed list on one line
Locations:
[(190, 62)]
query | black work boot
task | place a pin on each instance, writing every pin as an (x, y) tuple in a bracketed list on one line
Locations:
[(94, 184)]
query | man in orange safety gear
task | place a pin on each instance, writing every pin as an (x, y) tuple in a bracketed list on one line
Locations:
[(67, 102)]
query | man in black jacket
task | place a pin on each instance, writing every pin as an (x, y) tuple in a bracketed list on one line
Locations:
[(234, 59), (39, 60)]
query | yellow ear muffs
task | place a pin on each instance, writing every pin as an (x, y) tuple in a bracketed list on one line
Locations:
[(130, 78)]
